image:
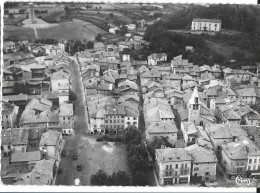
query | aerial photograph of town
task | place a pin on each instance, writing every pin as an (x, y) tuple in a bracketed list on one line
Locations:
[(130, 94)]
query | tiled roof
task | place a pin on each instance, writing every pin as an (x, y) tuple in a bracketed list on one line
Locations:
[(25, 156), (50, 138), (201, 154), (161, 127), (172, 155), (15, 136), (7, 108), (206, 20)]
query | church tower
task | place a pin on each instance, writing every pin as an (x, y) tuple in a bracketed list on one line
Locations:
[(194, 107)]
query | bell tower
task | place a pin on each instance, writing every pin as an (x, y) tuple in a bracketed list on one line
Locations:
[(194, 107)]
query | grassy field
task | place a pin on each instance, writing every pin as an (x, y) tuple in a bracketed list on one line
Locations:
[(108, 156), (19, 33), (226, 49), (72, 30)]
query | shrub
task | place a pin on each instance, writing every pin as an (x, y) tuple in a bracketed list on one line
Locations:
[(99, 139)]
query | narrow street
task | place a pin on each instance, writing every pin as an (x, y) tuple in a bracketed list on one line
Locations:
[(67, 164)]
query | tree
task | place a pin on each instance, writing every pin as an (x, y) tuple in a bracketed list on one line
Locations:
[(123, 30), (238, 55), (10, 16), (138, 163), (139, 179), (90, 45), (120, 178), (111, 15), (99, 179), (132, 135), (98, 38), (156, 143), (72, 96)]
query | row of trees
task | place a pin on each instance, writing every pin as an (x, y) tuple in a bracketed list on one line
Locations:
[(77, 46), (136, 156), (120, 178), (48, 41)]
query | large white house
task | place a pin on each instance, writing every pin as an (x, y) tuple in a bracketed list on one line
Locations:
[(199, 24)]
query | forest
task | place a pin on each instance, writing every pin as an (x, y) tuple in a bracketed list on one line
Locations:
[(240, 18)]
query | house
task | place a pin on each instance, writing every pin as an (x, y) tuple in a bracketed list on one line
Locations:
[(9, 115), (98, 87), (38, 70), (201, 24), (151, 75), (41, 174), (154, 58), (96, 111), (204, 163), (113, 30), (114, 118), (190, 133), (8, 88), (14, 140), (62, 84), (247, 95), (131, 113), (66, 118), (216, 71), (240, 158), (9, 47), (173, 166), (174, 96), (51, 144), (16, 57), (7, 75), (25, 157), (39, 113), (62, 44), (223, 133), (131, 27), (243, 75), (162, 129), (158, 110)]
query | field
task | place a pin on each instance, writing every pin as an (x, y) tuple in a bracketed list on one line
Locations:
[(64, 30), (108, 156), (19, 33), (226, 49)]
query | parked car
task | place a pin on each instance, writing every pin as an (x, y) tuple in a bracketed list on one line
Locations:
[(79, 167), (63, 153), (75, 156)]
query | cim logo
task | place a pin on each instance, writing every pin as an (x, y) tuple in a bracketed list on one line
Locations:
[(244, 181)]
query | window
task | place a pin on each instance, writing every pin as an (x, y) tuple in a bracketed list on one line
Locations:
[(239, 169), (9, 147), (7, 116), (186, 165), (196, 169), (176, 173), (167, 167), (176, 166), (207, 173), (2, 148), (250, 161), (255, 160)]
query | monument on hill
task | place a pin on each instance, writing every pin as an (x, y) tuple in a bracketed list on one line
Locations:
[(31, 13)]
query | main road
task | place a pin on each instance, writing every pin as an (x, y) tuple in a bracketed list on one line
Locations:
[(71, 142)]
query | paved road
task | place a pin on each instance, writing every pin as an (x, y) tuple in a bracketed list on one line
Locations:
[(71, 143)]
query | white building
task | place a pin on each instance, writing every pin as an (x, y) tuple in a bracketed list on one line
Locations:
[(199, 24)]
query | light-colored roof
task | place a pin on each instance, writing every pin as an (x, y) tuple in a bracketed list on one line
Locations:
[(172, 155), (66, 109), (202, 154), (190, 128), (25, 156), (50, 138), (161, 127), (206, 20)]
